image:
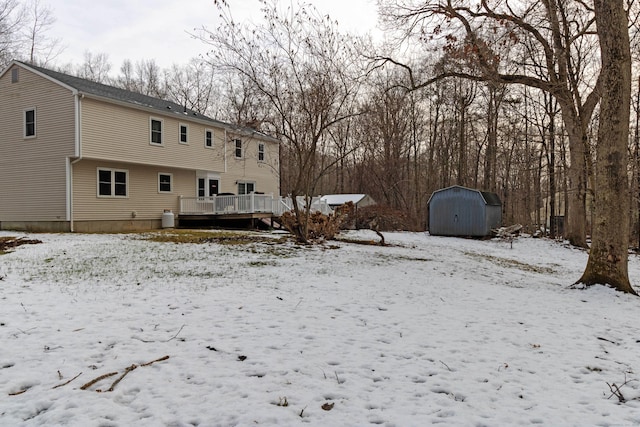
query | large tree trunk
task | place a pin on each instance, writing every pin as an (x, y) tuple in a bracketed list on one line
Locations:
[(576, 223), (610, 241), (549, 104)]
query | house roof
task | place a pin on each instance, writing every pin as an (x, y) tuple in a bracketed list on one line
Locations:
[(112, 93), (490, 199), (341, 199)]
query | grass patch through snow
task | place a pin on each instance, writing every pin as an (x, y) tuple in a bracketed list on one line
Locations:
[(511, 263), (223, 237)]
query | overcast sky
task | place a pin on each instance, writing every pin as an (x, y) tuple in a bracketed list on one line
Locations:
[(158, 29)]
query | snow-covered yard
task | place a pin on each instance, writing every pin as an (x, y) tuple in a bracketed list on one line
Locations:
[(430, 330)]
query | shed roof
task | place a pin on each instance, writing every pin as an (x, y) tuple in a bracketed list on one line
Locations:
[(490, 199), (341, 199), (88, 87)]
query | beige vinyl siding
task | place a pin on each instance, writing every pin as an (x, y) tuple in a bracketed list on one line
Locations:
[(120, 133), (33, 171), (264, 174), (143, 196)]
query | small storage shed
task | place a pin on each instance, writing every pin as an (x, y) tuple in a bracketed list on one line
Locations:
[(461, 211), (359, 200)]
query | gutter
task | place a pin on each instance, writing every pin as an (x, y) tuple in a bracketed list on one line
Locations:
[(78, 154)]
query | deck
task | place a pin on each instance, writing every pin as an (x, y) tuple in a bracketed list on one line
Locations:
[(240, 207)]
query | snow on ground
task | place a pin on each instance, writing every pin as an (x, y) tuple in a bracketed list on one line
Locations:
[(429, 331)]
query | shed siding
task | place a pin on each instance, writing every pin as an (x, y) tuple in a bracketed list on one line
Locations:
[(33, 170), (455, 213), (494, 217), (459, 211), (143, 197)]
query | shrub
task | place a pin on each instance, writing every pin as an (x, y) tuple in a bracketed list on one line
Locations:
[(319, 226), (383, 218)]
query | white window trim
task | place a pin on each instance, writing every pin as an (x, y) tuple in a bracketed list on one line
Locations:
[(180, 125), (207, 176), (170, 175), (263, 152), (212, 138), (235, 148), (245, 186), (24, 123), (112, 195), (151, 120), (204, 186)]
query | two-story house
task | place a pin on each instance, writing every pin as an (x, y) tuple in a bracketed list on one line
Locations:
[(76, 155)]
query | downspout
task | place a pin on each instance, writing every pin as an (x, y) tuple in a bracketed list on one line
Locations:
[(225, 151), (78, 153)]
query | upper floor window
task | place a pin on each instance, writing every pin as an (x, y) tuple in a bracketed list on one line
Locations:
[(208, 138), (112, 182), (14, 75), (261, 152), (183, 134), (238, 150), (30, 123), (164, 182), (156, 131)]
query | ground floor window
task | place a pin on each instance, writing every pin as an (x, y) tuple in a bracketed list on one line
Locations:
[(164, 182), (246, 187), (112, 182), (208, 187)]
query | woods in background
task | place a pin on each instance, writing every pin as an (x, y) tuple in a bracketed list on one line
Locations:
[(501, 96)]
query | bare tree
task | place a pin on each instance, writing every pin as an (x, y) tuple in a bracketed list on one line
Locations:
[(95, 67), (555, 34), (39, 47), (149, 77), (386, 138), (11, 20), (465, 92), (191, 85), (495, 96), (145, 77), (299, 65), (127, 79)]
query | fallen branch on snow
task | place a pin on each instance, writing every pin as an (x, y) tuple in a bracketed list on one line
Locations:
[(615, 390), (7, 244), (124, 374), (126, 371), (67, 382), (95, 380)]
